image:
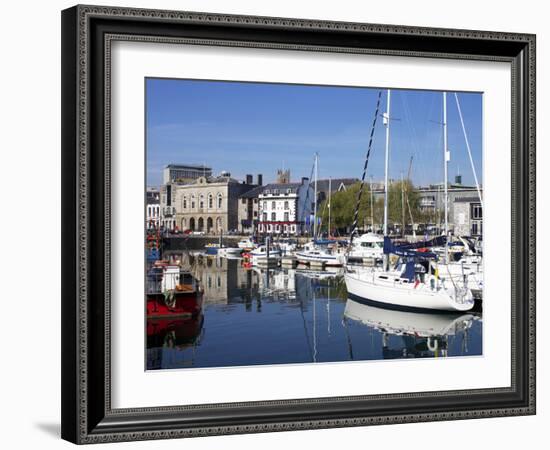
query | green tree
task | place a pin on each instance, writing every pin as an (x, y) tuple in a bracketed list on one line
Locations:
[(343, 204), (342, 208)]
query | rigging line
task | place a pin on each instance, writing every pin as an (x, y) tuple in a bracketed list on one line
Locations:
[(360, 192), (468, 148)]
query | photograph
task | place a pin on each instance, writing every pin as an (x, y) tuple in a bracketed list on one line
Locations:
[(303, 224)]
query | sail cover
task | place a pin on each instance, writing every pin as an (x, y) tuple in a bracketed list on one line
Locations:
[(390, 248)]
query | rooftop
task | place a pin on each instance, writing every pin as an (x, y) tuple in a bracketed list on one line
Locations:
[(335, 183), (188, 166), (252, 193), (281, 187)]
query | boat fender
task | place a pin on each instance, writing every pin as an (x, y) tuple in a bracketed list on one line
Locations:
[(432, 344), (432, 283)]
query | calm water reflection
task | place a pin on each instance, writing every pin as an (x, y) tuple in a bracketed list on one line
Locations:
[(279, 316)]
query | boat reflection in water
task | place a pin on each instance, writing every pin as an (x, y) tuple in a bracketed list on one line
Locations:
[(172, 342), (411, 334), (253, 316)]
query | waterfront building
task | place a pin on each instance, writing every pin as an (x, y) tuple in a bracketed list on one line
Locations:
[(152, 209), (185, 173), (167, 210), (249, 210), (209, 204), (432, 200), (283, 208), (468, 216)]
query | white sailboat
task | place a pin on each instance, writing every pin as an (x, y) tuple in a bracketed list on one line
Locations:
[(415, 283)]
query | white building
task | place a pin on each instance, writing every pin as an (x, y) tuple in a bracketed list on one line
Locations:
[(284, 208), (152, 209)]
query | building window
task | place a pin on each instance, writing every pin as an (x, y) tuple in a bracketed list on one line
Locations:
[(255, 200), (273, 216), (243, 201), (476, 213), (265, 205), (201, 201), (273, 205), (286, 204), (286, 217), (275, 191), (192, 201), (219, 201), (184, 202), (255, 213), (265, 217), (210, 201)]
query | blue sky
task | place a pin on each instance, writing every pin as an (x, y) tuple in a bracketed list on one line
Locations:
[(258, 127)]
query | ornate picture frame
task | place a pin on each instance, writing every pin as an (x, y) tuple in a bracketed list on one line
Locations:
[(87, 35)]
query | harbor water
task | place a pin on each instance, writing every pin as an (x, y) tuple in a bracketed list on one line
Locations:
[(252, 316)]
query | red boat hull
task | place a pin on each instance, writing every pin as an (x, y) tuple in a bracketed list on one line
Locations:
[(182, 304)]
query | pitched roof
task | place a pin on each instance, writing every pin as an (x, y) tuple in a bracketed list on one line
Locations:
[(322, 185), (252, 193)]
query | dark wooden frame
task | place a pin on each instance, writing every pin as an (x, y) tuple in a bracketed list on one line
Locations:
[(87, 31)]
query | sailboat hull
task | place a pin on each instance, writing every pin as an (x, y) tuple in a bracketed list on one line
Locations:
[(386, 290)]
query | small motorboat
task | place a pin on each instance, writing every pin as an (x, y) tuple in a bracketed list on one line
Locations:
[(246, 244), (368, 245), (315, 253)]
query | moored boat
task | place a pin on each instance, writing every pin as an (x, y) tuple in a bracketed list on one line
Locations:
[(368, 245), (172, 292), (314, 253)]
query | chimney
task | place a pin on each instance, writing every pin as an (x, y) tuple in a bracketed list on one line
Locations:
[(260, 179), (249, 179)]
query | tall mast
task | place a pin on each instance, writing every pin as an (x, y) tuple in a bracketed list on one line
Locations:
[(386, 117), (403, 204), (446, 158), (315, 198), (371, 207), (329, 194)]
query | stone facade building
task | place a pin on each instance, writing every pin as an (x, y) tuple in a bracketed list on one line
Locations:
[(468, 216), (249, 208), (210, 204)]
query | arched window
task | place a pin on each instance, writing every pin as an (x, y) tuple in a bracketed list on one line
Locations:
[(192, 201), (201, 201), (286, 204), (184, 202), (210, 201), (273, 216), (219, 201)]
